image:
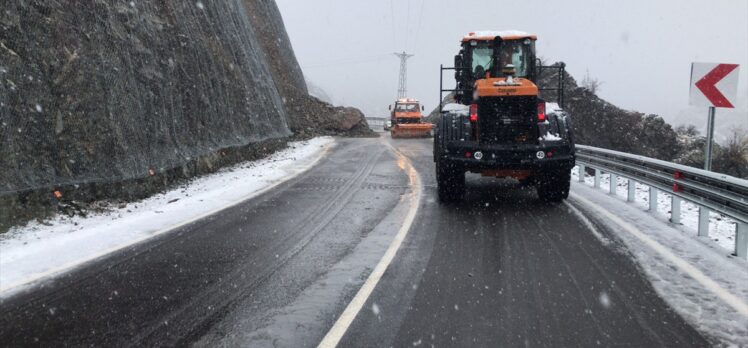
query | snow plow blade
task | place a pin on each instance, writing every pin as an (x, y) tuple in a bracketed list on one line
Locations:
[(423, 130)]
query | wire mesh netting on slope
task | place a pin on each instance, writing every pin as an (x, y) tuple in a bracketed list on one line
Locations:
[(106, 91)]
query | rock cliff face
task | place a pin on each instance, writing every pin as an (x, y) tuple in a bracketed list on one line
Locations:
[(110, 90), (106, 91), (306, 114)]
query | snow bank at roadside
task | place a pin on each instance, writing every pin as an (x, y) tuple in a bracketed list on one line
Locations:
[(697, 299), (36, 251), (721, 227)]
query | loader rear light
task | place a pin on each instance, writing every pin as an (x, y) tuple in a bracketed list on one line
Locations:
[(473, 112), (468, 154), (541, 112)]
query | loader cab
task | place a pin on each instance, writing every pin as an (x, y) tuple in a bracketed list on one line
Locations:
[(488, 55)]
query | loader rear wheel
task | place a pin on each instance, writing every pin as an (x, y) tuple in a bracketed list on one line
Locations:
[(554, 186), (450, 181)]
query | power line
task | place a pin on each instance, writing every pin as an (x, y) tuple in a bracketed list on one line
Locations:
[(418, 29), (347, 61), (394, 30), (407, 26)]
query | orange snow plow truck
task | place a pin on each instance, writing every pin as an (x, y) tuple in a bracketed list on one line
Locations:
[(407, 120)]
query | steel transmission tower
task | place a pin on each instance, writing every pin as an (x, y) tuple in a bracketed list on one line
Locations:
[(403, 81)]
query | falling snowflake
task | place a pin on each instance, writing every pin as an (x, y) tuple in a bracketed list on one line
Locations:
[(375, 309), (200, 5), (604, 299)]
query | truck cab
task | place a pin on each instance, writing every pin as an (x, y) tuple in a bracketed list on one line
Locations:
[(407, 119), (406, 111)]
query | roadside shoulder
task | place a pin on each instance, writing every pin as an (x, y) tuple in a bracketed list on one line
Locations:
[(699, 279), (37, 251)]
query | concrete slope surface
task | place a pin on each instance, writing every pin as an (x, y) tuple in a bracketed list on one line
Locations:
[(284, 268)]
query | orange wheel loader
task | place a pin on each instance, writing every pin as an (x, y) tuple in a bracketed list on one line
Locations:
[(501, 125)]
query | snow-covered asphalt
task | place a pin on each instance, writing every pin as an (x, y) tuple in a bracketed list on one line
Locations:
[(328, 255), (40, 250)]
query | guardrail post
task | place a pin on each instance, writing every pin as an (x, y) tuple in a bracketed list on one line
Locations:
[(675, 209), (741, 240), (613, 184), (632, 191), (582, 172), (597, 178), (652, 199), (703, 222)]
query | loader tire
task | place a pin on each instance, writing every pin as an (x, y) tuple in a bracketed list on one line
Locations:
[(554, 186), (450, 181)]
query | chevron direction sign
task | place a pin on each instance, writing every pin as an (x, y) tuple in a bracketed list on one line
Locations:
[(714, 84)]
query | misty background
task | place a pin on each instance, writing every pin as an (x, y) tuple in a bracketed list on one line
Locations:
[(640, 50)]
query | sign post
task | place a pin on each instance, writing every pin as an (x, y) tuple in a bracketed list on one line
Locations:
[(709, 138), (713, 85)]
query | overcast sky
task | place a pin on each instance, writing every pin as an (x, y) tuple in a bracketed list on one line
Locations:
[(640, 49)]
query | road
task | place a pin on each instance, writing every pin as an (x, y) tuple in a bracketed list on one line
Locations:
[(499, 269)]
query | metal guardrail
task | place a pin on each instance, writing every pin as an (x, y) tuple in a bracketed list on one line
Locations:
[(376, 121), (708, 190)]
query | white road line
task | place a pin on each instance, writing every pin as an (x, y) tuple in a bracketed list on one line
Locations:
[(587, 223), (733, 301), (340, 327), (7, 290)]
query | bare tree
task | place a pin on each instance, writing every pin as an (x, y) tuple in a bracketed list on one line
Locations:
[(590, 83), (732, 158), (687, 130), (542, 60)]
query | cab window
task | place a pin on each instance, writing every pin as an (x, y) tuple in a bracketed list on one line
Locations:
[(482, 56)]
